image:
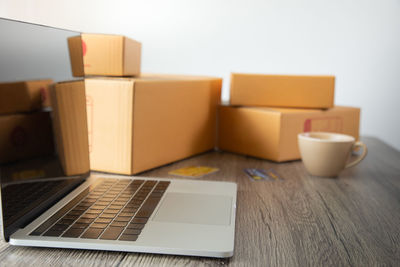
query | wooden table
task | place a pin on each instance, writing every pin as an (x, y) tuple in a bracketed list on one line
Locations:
[(353, 220)]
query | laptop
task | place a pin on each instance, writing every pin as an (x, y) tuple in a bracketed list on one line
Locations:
[(135, 214), (42, 206)]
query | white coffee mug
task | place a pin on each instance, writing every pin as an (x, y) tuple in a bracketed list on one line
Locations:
[(327, 154)]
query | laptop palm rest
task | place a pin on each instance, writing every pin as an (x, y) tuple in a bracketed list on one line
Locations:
[(195, 209)]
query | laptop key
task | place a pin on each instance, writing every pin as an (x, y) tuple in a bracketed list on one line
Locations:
[(112, 206), (53, 233), (103, 203), (86, 204), (123, 199), (59, 227), (66, 221), (156, 194), (73, 232), (139, 220), (75, 212), (79, 225), (112, 233), (81, 208), (126, 214), (107, 216), (132, 206), (164, 183), (90, 198), (99, 207), (125, 237), (138, 226), (94, 211), (92, 233), (129, 210), (85, 221), (103, 220), (89, 216), (111, 211), (123, 219), (148, 207), (132, 231), (119, 224), (136, 202), (99, 225), (106, 199), (71, 217), (119, 203)]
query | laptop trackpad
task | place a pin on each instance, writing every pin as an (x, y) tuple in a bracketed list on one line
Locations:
[(195, 208)]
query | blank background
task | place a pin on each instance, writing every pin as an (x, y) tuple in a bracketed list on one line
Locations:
[(357, 41)]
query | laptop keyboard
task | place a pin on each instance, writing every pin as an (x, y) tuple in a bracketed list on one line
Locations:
[(110, 209), (21, 197)]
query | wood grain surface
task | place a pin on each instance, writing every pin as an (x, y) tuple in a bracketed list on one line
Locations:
[(352, 220)]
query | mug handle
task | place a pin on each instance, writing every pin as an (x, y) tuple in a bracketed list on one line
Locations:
[(361, 157)]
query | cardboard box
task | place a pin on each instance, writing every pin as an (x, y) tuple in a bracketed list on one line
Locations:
[(107, 55), (24, 96), (136, 124), (271, 133), (70, 126), (24, 136), (282, 90)]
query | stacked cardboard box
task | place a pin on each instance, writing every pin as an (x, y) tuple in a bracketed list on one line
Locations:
[(104, 55), (268, 111), (138, 122)]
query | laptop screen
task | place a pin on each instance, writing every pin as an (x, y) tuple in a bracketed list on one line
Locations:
[(32, 176)]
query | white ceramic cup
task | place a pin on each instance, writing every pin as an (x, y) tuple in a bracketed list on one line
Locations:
[(327, 154)]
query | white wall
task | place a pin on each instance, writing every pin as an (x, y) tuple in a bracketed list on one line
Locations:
[(358, 41)]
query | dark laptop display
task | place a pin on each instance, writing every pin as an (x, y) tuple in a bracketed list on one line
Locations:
[(32, 57)]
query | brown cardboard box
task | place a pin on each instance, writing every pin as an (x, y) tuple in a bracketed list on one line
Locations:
[(101, 54), (70, 126), (271, 133), (136, 124), (282, 90), (24, 136), (24, 96)]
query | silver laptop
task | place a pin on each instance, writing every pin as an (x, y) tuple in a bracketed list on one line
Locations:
[(42, 207), (123, 214)]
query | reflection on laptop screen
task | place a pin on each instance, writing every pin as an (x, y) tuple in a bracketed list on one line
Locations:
[(32, 176)]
